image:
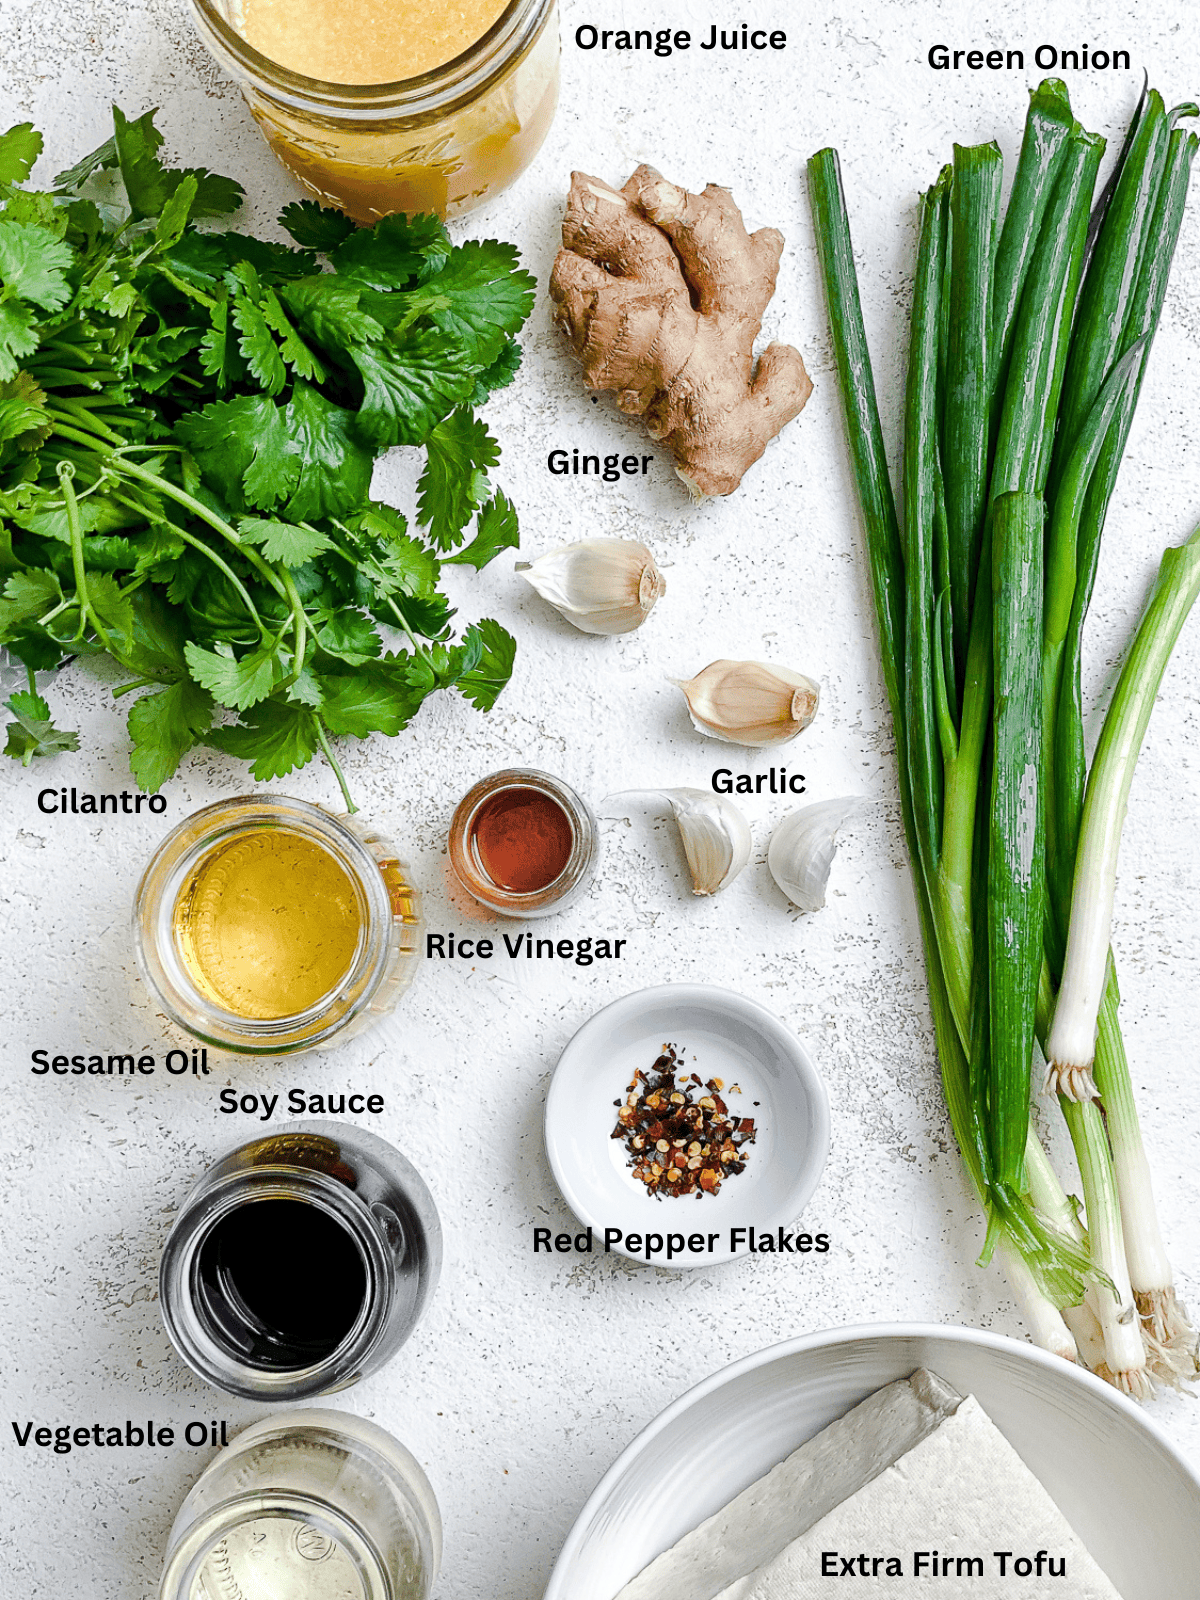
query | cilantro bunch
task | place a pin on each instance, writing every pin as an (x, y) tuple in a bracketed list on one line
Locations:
[(188, 424)]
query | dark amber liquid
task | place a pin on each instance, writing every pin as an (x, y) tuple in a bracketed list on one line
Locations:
[(282, 1282), (522, 839)]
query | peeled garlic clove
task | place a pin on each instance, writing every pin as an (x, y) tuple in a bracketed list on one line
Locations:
[(601, 585), (715, 834), (749, 702), (803, 847)]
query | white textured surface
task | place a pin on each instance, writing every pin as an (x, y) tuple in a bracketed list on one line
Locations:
[(530, 1373)]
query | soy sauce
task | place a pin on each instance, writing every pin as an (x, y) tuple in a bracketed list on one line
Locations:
[(282, 1281)]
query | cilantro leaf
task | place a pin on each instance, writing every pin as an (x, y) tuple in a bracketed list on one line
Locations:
[(334, 467), (483, 683), (257, 345), (149, 184), (373, 700), (219, 355), (243, 450), (137, 145), (428, 617), (291, 346), (26, 596), (397, 251), (18, 337), (490, 297), (235, 683), (100, 160), (113, 609), (410, 565), (409, 384), (276, 736), (500, 374), (19, 149), (33, 733), (33, 264), (351, 637), (495, 530), (175, 213), (315, 226), (215, 196), (329, 309), (164, 726), (282, 542), (459, 454)]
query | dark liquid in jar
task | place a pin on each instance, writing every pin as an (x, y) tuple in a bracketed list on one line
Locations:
[(281, 1282), (522, 839)]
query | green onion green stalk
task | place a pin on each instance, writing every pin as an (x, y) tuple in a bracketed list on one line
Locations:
[(1031, 332)]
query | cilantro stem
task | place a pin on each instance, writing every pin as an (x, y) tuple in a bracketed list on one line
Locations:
[(138, 683), (66, 474), (87, 419), (323, 741), (300, 643), (199, 509)]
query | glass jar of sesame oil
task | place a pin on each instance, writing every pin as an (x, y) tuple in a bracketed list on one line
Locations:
[(267, 926), (425, 106)]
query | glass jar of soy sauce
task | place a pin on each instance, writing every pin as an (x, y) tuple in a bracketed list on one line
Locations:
[(310, 1505), (300, 1262)]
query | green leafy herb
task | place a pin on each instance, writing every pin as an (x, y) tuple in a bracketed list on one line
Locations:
[(188, 428)]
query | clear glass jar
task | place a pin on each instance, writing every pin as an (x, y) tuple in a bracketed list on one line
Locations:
[(443, 142), (380, 965), (300, 1262), (313, 1505), (581, 853)]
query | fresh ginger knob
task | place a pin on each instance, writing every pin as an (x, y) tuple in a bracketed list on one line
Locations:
[(662, 295)]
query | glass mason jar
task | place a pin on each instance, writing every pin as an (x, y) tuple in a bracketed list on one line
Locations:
[(381, 955), (581, 847), (308, 1506), (443, 142), (300, 1262)]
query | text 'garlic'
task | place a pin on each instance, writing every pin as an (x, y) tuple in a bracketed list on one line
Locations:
[(803, 847), (749, 702), (715, 834), (601, 585)]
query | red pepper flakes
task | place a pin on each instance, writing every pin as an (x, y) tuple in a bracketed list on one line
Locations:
[(678, 1132)]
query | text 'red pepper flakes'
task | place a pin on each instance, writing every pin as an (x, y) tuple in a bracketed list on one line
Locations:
[(678, 1131)]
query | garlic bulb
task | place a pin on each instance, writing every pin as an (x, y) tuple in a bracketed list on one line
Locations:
[(601, 585), (803, 847), (749, 702), (715, 834)]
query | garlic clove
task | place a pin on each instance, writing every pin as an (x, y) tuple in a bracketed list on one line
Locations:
[(749, 702), (605, 586), (803, 847), (715, 834)]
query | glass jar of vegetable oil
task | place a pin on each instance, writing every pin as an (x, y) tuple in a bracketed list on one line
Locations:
[(267, 926), (311, 1505), (412, 130), (300, 1262)]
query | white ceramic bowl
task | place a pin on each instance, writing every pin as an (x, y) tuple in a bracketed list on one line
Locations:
[(731, 1038), (1115, 1476)]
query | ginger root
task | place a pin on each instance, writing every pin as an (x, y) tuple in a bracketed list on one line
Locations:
[(662, 295)]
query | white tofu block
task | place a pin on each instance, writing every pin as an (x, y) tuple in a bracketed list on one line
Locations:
[(964, 1493), (719, 1558)]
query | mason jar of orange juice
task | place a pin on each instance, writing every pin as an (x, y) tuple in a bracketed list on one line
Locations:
[(376, 106)]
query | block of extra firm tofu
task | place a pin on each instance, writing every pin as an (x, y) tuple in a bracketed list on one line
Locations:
[(961, 1507), (767, 1516)]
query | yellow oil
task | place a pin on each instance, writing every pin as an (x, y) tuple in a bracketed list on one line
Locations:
[(268, 924)]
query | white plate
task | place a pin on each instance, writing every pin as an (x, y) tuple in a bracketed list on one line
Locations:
[(1115, 1476), (721, 1035)]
